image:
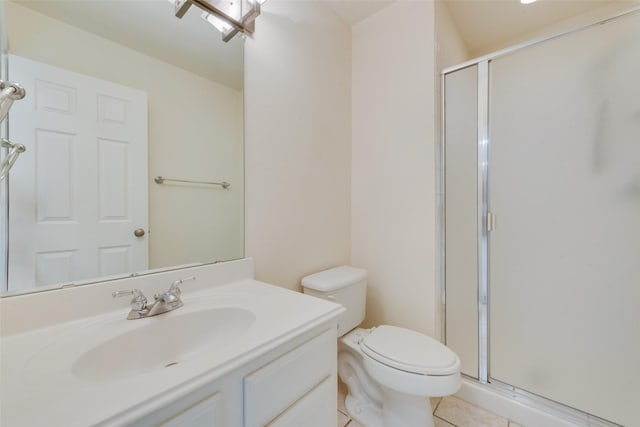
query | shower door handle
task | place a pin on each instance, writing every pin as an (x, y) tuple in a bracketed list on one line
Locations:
[(491, 221)]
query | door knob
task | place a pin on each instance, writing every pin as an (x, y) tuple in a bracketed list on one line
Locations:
[(139, 232)]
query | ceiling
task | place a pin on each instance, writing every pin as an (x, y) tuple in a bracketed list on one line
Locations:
[(487, 25)]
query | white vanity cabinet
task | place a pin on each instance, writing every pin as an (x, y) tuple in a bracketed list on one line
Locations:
[(256, 355), (293, 385), (206, 412)]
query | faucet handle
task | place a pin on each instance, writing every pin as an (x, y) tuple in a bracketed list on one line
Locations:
[(175, 289), (138, 302)]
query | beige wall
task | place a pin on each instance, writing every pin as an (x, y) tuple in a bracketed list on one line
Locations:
[(297, 139), (3, 32), (195, 132), (393, 188)]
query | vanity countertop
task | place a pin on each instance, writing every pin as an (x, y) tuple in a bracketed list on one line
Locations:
[(39, 373)]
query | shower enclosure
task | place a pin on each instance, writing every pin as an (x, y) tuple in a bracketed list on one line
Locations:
[(541, 220)]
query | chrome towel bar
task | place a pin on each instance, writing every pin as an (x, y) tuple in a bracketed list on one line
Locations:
[(160, 180), (9, 92), (12, 156)]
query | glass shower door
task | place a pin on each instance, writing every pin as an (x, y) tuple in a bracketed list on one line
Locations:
[(564, 185), (461, 216)]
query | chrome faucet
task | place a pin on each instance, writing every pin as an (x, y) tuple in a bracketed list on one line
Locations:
[(167, 301)]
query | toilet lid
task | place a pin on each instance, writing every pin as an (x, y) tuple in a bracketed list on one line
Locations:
[(410, 351)]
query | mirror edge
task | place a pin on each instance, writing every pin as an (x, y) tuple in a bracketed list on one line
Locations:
[(4, 132)]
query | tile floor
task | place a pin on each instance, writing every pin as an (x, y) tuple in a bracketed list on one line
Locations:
[(448, 412)]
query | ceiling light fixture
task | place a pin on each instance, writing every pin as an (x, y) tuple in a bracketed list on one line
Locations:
[(527, 1), (224, 27), (230, 17)]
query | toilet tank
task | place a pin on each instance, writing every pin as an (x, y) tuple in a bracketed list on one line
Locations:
[(343, 285)]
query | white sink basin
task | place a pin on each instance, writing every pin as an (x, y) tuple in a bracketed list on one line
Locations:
[(162, 342)]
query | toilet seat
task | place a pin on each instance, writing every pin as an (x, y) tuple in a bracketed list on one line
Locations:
[(409, 351)]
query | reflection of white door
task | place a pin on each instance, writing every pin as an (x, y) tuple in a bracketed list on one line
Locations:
[(80, 190)]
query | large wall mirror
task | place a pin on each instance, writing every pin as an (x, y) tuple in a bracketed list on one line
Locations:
[(119, 93)]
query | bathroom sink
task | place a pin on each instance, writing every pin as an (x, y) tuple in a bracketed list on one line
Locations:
[(163, 342)]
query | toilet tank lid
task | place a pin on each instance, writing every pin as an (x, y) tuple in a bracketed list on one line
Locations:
[(335, 278)]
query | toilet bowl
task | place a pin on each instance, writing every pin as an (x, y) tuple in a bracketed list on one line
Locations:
[(394, 371), (390, 372)]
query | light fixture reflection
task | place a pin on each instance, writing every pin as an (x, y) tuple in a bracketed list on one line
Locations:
[(222, 26), (228, 16)]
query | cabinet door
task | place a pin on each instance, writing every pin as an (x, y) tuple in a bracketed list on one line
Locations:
[(272, 389), (205, 413), (313, 410)]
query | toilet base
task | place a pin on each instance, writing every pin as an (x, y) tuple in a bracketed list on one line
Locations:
[(406, 410), (399, 410), (367, 414), (373, 405)]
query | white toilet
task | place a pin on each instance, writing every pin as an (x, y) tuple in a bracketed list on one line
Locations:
[(390, 372)]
